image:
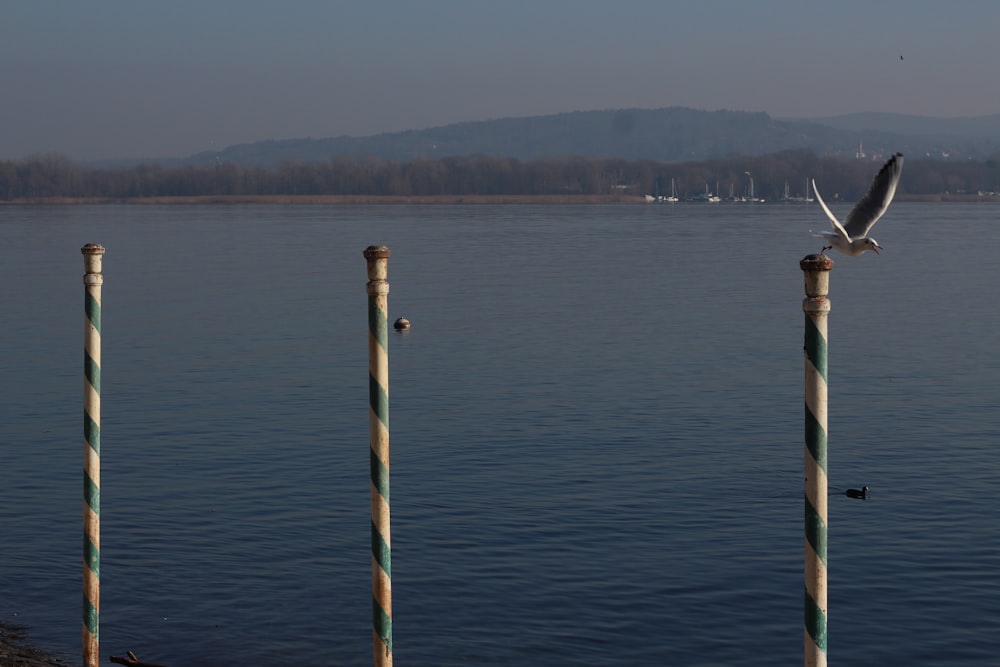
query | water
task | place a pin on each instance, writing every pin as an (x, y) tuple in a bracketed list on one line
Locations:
[(596, 429)]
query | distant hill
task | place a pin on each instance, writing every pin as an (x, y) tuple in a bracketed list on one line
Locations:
[(674, 134), (973, 127)]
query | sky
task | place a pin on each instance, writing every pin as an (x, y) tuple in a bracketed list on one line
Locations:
[(143, 79)]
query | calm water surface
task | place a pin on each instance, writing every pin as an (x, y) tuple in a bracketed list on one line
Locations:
[(596, 434)]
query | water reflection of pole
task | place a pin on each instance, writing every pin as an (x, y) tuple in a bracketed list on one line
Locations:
[(816, 307), (93, 279), (378, 429)]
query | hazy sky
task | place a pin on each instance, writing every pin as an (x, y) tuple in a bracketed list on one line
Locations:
[(131, 78)]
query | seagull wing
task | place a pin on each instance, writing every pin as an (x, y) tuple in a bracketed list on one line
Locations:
[(839, 228), (873, 205)]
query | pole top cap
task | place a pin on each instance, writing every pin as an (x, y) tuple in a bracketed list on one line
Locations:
[(93, 253), (92, 249), (377, 252), (816, 263), (378, 263)]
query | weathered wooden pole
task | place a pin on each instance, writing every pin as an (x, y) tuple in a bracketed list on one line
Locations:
[(378, 429), (816, 307), (93, 280)]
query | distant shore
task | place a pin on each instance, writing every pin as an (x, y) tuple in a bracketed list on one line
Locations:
[(17, 651), (344, 199), (333, 200)]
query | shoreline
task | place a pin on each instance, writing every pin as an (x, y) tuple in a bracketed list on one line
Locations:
[(340, 199), (16, 650), (356, 200)]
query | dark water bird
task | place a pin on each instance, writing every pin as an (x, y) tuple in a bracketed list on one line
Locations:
[(857, 493), (851, 237), (401, 324)]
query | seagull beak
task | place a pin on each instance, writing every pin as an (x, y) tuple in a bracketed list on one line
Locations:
[(876, 248)]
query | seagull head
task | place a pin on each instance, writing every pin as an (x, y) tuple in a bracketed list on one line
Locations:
[(855, 247)]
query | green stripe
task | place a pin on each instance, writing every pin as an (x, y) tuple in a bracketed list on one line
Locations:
[(378, 324), (380, 550), (816, 441), (92, 308), (378, 400), (382, 624), (815, 347), (92, 433), (92, 372), (815, 530), (90, 617), (91, 494), (815, 622), (91, 556), (379, 475)]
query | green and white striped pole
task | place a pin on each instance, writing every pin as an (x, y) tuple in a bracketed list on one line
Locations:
[(378, 429), (816, 307), (93, 279)]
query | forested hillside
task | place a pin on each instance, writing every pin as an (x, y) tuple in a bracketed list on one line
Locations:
[(54, 176)]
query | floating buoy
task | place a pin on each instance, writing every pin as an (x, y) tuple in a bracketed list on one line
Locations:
[(401, 324)]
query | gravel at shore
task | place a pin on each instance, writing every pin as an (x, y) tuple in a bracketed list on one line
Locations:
[(17, 651)]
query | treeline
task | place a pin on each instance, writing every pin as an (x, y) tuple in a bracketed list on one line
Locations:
[(53, 176)]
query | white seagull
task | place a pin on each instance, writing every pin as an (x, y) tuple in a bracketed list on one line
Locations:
[(851, 238)]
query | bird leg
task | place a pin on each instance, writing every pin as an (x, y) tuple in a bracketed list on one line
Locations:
[(825, 248)]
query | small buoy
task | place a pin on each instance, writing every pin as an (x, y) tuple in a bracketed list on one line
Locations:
[(401, 324), (857, 493)]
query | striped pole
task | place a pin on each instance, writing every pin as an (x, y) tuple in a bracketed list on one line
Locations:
[(816, 307), (93, 280), (378, 429)]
